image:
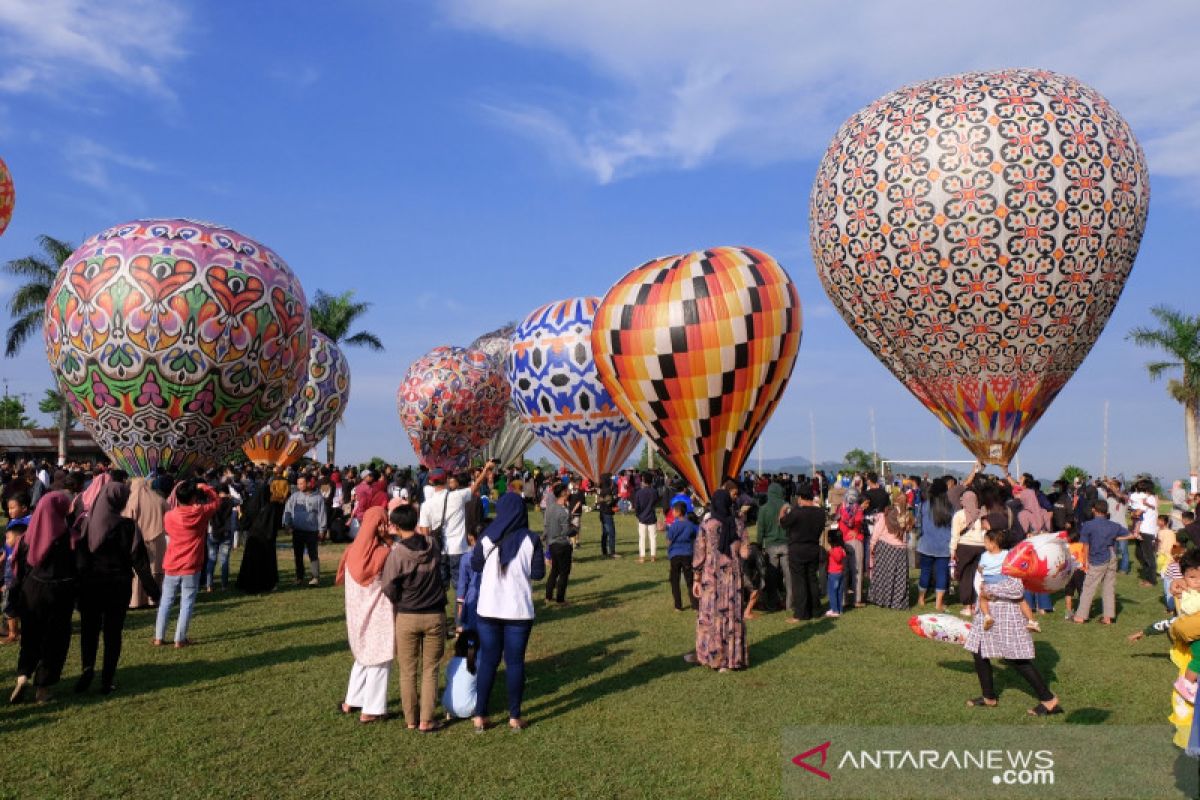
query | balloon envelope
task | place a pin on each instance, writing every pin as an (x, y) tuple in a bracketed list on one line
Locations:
[(558, 393), (311, 413), (696, 351), (8, 196), (174, 340), (508, 447), (1042, 562), (451, 403), (495, 345), (940, 627), (975, 232)]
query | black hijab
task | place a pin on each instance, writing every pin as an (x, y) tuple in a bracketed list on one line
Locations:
[(105, 513), (722, 511), (258, 516)]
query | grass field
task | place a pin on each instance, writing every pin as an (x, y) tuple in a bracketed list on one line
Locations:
[(615, 712)]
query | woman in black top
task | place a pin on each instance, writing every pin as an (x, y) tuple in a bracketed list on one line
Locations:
[(44, 591), (804, 526), (111, 552)]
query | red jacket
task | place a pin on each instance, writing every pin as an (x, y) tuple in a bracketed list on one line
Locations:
[(187, 527)]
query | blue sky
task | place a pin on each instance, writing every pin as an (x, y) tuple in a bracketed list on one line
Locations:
[(459, 163)]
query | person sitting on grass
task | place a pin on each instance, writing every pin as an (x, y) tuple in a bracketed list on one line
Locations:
[(186, 526), (460, 697), (681, 539), (990, 564), (1184, 628)]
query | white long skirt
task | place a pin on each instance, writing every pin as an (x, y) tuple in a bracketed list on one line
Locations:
[(369, 687)]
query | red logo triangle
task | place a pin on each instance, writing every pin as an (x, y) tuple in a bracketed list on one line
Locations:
[(802, 760)]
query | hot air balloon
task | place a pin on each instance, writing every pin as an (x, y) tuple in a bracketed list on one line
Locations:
[(174, 340), (451, 403), (509, 445), (696, 351), (558, 392), (7, 197), (312, 411), (976, 231)]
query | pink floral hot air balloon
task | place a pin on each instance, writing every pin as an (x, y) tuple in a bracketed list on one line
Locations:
[(975, 232), (451, 403), (7, 196)]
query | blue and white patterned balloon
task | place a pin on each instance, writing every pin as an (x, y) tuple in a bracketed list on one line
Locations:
[(558, 393)]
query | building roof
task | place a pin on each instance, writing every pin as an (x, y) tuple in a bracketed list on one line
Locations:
[(46, 439)]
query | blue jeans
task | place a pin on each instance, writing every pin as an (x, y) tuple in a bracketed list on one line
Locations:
[(507, 637), (1039, 601), (452, 563), (936, 568), (1123, 552), (218, 551), (834, 590), (1168, 600), (187, 586), (608, 536)]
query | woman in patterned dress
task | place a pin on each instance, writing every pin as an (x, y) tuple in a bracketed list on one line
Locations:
[(370, 620), (717, 562), (1007, 639), (889, 557)]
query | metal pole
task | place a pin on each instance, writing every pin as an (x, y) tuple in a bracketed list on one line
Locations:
[(874, 443), (812, 432), (1104, 457)]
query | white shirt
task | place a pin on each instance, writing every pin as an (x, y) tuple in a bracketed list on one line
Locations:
[(507, 595), (454, 525), (1148, 505)]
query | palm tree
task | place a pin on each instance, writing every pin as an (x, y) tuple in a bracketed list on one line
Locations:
[(1179, 339), (334, 315), (28, 305)]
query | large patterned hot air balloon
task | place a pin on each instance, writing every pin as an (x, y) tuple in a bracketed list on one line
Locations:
[(558, 392), (696, 350), (311, 413), (976, 231), (509, 445), (7, 196), (174, 340), (451, 403)]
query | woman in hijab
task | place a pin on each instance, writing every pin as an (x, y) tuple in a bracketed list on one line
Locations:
[(45, 590), (717, 563), (260, 568), (508, 557), (370, 621), (1033, 519), (889, 556), (146, 508), (110, 553)]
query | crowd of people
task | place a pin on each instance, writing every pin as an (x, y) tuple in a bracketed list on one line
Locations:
[(814, 546)]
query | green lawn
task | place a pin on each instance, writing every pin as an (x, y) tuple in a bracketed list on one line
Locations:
[(615, 712)]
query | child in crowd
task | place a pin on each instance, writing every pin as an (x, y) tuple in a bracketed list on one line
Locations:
[(989, 572), (606, 505), (12, 540), (681, 537), (1166, 542), (1078, 552), (754, 578), (467, 592), (459, 697), (835, 567), (1184, 629)]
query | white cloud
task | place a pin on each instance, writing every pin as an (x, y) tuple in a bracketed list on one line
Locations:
[(297, 78), (89, 162), (764, 80), (53, 44)]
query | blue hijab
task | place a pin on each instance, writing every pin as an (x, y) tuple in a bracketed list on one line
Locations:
[(507, 531)]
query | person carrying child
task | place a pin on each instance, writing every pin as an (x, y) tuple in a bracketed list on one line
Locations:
[(1184, 628), (681, 539), (990, 573)]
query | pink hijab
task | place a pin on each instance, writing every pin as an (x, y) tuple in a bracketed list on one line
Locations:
[(92, 492), (48, 524), (1033, 517)]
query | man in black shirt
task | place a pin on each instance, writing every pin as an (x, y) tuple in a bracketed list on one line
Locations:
[(804, 525), (645, 505)]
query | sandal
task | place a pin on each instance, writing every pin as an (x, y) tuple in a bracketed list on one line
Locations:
[(981, 702), (517, 725), (690, 658), (367, 719), (18, 692), (434, 727), (1040, 710), (480, 727), (344, 709)]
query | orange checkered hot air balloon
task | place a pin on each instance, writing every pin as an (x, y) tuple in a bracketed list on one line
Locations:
[(696, 351), (975, 231)]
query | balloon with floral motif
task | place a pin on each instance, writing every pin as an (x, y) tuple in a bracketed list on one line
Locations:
[(975, 232), (174, 340), (312, 412), (451, 403), (8, 196)]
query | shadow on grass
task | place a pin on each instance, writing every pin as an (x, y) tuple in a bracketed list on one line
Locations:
[(282, 626), (1088, 716), (775, 645), (595, 601), (152, 678), (1004, 677)]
